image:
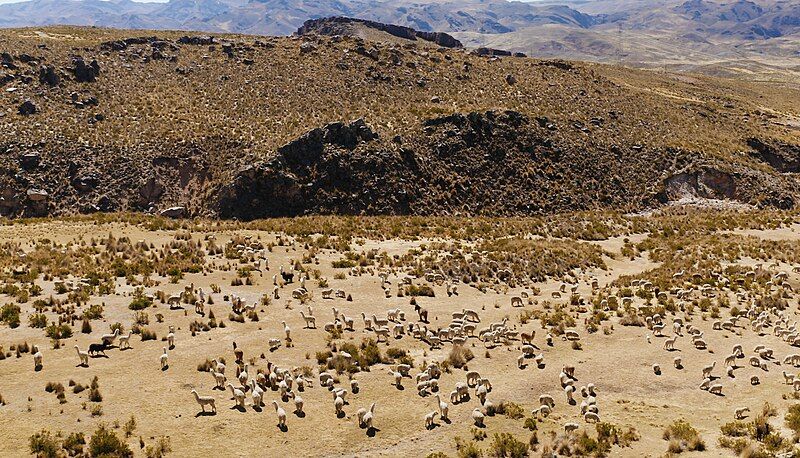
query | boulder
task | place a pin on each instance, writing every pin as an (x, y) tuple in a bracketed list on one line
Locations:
[(85, 73), (48, 75), (27, 108), (30, 161), (173, 212), (37, 195)]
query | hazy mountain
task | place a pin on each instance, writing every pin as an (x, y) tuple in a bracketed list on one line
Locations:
[(708, 35)]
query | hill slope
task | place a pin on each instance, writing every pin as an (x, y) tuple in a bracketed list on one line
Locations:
[(239, 126)]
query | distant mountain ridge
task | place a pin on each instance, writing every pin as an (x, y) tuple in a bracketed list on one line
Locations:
[(714, 36)]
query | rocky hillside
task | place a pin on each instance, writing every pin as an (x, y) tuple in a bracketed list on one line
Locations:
[(248, 127)]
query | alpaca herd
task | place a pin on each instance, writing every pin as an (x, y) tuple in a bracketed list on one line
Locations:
[(442, 387)]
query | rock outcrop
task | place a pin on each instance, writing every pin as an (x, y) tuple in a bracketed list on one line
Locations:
[(341, 26)]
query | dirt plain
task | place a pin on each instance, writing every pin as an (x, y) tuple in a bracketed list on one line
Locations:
[(618, 359)]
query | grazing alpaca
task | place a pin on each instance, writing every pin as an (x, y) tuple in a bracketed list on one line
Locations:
[(477, 417), (164, 359), (37, 357), (83, 356), (205, 401)]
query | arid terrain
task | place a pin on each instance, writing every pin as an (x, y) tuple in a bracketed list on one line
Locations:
[(524, 308), (246, 127)]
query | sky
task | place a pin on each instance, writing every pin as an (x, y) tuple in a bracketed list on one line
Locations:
[(161, 1)]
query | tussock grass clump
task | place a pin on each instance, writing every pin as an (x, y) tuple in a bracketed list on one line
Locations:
[(683, 437), (459, 357)]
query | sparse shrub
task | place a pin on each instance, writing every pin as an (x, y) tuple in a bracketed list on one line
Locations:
[(38, 320), (459, 356), (105, 443), (9, 314), (505, 445), (683, 437), (43, 444)]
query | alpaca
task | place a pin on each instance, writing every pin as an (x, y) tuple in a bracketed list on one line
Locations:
[(738, 414), (286, 330), (477, 417), (338, 404), (164, 359), (707, 370), (108, 339), (219, 378), (280, 413), (256, 394), (244, 376), (218, 366), (205, 401), (715, 389), (125, 341), (591, 417), (97, 348), (368, 417), (430, 419), (238, 395), (171, 337), (311, 322), (83, 357), (298, 404), (37, 357), (443, 408)]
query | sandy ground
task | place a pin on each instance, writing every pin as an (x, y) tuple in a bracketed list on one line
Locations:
[(132, 383)]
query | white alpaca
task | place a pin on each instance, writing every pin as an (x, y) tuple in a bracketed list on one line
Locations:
[(244, 376), (443, 408), (430, 419), (238, 395), (715, 388), (218, 366), (311, 322), (669, 344), (369, 417), (338, 404), (109, 339), (738, 414), (708, 369), (256, 394), (286, 330), (164, 359), (477, 417), (219, 378), (591, 417), (280, 413), (83, 357), (547, 400), (205, 401), (298, 404), (171, 337), (125, 341)]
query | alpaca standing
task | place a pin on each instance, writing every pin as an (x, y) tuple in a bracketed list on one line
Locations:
[(83, 357), (204, 401), (164, 359)]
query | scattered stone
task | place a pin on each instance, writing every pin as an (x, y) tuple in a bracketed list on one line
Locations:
[(27, 108)]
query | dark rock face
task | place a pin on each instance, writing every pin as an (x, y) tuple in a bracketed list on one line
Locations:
[(338, 26), (85, 73), (197, 41), (780, 156), (48, 76)]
